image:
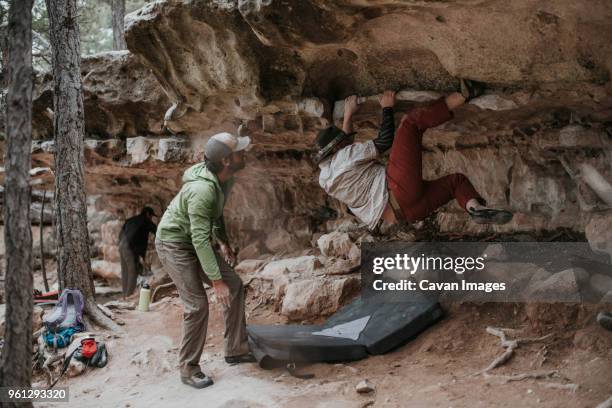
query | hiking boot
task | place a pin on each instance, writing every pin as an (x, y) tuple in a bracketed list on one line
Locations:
[(245, 358), (605, 320), (490, 216), (198, 380), (471, 89)]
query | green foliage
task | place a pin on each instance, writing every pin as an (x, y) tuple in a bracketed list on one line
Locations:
[(94, 23)]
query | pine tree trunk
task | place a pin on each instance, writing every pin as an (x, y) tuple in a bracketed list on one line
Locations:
[(17, 350), (73, 263), (118, 11)]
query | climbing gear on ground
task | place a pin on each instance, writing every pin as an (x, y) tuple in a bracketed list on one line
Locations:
[(471, 89), (327, 140), (92, 353), (244, 358), (490, 216), (198, 380), (61, 338), (67, 313)]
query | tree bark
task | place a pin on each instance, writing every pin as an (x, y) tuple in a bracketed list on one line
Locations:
[(73, 262), (17, 350), (118, 11)]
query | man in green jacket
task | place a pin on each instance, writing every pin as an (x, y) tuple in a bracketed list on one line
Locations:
[(193, 247)]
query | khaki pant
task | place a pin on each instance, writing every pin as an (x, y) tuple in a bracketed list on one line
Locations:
[(183, 266)]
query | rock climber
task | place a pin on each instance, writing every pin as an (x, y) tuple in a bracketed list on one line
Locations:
[(133, 243), (385, 196), (193, 247)]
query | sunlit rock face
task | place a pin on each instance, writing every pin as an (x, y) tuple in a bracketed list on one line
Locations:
[(231, 57), (282, 68), (122, 98)]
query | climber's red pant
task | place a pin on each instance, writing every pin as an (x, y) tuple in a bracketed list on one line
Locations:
[(417, 197)]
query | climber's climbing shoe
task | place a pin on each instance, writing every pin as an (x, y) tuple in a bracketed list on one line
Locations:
[(605, 320), (471, 89), (490, 216)]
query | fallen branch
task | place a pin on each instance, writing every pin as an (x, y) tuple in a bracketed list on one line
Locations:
[(509, 345), (523, 376)]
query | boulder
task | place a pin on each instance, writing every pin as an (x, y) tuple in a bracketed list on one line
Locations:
[(599, 232), (251, 251), (303, 266), (277, 275), (337, 244), (365, 387), (138, 149), (281, 241), (249, 266), (560, 287), (601, 284), (493, 102), (314, 298), (110, 271)]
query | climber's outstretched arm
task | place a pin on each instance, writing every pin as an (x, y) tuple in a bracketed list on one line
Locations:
[(350, 107)]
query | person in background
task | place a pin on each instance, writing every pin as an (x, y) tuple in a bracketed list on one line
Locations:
[(383, 196), (194, 248), (133, 243)]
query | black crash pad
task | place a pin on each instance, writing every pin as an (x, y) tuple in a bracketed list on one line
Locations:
[(367, 325)]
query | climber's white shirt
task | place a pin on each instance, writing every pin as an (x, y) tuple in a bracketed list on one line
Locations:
[(354, 176)]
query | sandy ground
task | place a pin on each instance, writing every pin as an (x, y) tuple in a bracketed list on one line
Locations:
[(432, 371)]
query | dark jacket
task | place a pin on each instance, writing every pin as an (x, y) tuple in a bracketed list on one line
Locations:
[(384, 140), (136, 231)]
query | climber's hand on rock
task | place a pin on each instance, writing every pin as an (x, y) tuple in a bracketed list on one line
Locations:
[(227, 253), (387, 100), (350, 106), (222, 292)]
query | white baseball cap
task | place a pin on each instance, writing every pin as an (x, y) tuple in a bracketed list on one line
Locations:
[(223, 144)]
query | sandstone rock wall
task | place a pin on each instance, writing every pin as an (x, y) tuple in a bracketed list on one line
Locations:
[(283, 67)]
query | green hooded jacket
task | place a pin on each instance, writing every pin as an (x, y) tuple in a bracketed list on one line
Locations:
[(195, 216)]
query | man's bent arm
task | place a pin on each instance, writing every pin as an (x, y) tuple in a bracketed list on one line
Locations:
[(199, 210), (384, 140), (219, 231)]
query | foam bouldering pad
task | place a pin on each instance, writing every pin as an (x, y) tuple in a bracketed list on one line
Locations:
[(368, 325)]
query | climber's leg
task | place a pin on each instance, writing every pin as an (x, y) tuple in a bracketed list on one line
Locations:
[(404, 168)]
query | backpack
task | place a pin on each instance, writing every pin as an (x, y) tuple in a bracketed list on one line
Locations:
[(65, 320), (67, 313), (59, 339)]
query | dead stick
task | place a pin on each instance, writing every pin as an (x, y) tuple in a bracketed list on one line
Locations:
[(523, 376), (165, 285), (42, 250)]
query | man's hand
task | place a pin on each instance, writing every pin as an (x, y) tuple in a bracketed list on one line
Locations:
[(221, 292), (350, 106), (387, 100), (227, 253)]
